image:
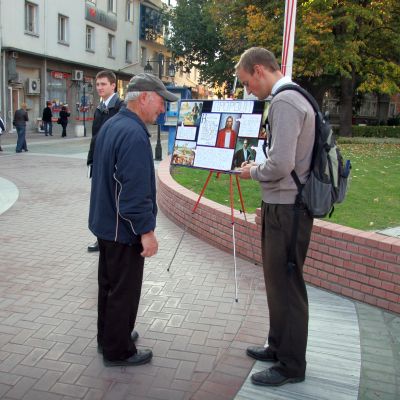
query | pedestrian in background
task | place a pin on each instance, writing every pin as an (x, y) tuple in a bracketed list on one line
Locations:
[(64, 114), (47, 116), (2, 129), (110, 104), (20, 119), (122, 215), (292, 132)]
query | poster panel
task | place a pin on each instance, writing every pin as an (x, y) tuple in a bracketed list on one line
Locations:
[(219, 135)]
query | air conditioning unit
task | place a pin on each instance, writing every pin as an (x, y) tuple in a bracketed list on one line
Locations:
[(33, 86), (77, 75), (14, 54)]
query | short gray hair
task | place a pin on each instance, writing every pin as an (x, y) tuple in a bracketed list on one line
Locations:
[(131, 96)]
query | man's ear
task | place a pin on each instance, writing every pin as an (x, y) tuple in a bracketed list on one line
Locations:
[(259, 70), (143, 97)]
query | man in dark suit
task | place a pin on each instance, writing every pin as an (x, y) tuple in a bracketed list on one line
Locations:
[(110, 104), (242, 155)]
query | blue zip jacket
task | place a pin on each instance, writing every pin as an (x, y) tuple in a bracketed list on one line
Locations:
[(123, 195)]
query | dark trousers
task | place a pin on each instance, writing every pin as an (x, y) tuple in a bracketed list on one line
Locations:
[(64, 129), (120, 283), (286, 290)]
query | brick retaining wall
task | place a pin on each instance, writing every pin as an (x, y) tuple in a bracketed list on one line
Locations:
[(364, 266)]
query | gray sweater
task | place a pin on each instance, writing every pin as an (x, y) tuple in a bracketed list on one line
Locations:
[(292, 126)]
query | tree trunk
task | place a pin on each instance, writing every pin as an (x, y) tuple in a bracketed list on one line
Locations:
[(346, 105)]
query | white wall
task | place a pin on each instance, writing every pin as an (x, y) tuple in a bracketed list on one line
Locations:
[(46, 43)]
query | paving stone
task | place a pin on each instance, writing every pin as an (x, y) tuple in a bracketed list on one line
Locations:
[(188, 315), (20, 389), (69, 390)]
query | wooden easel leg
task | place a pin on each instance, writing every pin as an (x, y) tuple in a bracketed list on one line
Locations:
[(202, 192), (193, 211)]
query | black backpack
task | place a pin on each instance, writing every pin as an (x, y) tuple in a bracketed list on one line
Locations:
[(327, 183)]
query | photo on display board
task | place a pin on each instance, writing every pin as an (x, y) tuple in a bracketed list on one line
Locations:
[(227, 133), (245, 150), (183, 153), (189, 112)]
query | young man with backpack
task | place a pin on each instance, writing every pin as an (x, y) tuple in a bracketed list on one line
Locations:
[(110, 104), (291, 123)]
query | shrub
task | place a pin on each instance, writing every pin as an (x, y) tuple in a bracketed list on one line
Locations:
[(376, 131)]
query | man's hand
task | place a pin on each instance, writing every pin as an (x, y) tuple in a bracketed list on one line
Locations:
[(150, 244), (245, 170)]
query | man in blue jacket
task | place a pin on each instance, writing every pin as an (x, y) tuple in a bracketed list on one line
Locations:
[(122, 215)]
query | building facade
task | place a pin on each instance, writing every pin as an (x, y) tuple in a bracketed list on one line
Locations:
[(51, 50)]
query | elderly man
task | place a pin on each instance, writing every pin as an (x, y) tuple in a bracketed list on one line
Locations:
[(123, 216)]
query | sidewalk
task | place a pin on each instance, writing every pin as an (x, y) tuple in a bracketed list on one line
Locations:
[(188, 316)]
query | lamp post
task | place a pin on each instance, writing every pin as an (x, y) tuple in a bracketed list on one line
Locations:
[(84, 108), (171, 72)]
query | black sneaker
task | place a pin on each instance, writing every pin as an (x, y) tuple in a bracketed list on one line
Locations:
[(261, 353), (273, 377), (140, 358)]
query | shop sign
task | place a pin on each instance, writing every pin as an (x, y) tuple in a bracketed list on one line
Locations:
[(94, 14), (60, 75)]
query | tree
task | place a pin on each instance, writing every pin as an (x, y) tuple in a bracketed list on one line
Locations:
[(359, 43), (195, 38), (351, 45)]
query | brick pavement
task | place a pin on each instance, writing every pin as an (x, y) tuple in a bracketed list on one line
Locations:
[(48, 296), (48, 291)]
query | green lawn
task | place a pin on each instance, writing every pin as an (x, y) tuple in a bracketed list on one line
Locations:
[(372, 202)]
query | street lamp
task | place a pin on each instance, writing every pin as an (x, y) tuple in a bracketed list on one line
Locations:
[(171, 73), (85, 102), (84, 108)]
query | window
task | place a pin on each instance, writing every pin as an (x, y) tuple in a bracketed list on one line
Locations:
[(63, 28), (143, 56), (112, 6), (89, 38), (129, 10), (111, 46), (128, 51), (31, 18)]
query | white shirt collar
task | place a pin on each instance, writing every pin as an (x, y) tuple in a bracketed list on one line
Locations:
[(283, 81), (108, 99)]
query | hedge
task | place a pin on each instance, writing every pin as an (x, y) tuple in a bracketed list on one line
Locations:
[(376, 131)]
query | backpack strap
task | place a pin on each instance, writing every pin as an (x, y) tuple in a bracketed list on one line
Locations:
[(297, 88), (298, 205)]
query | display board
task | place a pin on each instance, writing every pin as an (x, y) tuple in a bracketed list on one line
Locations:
[(220, 134)]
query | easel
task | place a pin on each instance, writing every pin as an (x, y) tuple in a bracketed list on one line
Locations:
[(232, 217)]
